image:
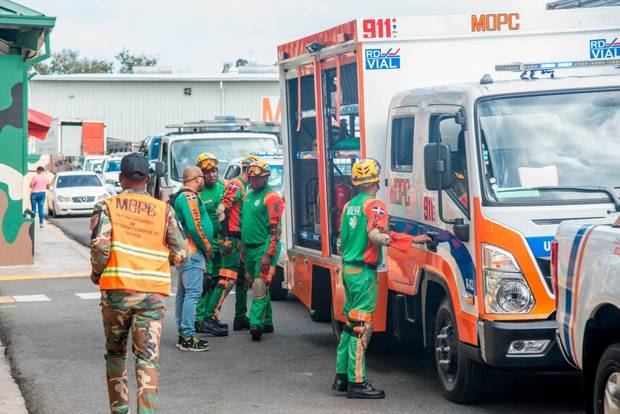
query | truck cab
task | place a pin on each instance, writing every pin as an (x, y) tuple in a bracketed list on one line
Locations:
[(226, 137), (586, 276), (487, 156)]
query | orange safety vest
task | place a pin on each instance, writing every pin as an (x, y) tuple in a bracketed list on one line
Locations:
[(138, 253)]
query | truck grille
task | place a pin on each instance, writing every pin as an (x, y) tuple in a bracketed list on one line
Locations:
[(83, 199), (544, 263)]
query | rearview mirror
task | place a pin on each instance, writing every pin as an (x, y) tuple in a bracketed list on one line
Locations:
[(159, 169), (437, 167)]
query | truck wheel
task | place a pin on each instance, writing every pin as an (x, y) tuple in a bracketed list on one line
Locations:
[(276, 291), (459, 377), (607, 382)]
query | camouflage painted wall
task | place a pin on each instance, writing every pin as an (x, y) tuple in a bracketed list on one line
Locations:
[(16, 233)]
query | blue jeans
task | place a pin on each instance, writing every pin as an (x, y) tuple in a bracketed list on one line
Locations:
[(37, 200), (189, 289)]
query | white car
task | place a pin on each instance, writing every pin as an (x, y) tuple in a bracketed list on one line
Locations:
[(75, 192), (111, 172), (93, 163), (279, 288)]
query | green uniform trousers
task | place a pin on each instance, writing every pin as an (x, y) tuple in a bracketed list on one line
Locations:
[(227, 275), (212, 271), (360, 288), (260, 310)]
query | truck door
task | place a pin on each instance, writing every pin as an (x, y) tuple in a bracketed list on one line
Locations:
[(453, 246), (342, 135), (304, 164), (401, 171)]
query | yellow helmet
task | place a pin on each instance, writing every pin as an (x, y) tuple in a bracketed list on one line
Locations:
[(206, 161), (247, 161), (259, 169), (365, 172)]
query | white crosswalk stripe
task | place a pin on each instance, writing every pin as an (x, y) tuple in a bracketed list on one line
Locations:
[(89, 295), (31, 298)]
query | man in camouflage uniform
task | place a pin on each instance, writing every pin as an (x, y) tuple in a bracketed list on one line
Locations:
[(130, 263)]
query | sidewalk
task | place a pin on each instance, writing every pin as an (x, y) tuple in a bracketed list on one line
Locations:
[(56, 256)]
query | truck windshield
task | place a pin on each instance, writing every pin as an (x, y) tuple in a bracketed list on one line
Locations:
[(184, 152), (552, 148)]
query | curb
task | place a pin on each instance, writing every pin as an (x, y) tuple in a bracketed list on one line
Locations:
[(11, 399)]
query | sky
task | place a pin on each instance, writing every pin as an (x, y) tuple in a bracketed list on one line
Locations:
[(198, 36)]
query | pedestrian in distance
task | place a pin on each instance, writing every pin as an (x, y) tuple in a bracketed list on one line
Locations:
[(192, 215), (38, 187), (364, 232), (260, 237), (214, 283), (134, 239), (232, 265)]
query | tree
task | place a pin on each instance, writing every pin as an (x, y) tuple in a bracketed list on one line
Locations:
[(127, 60), (68, 61)]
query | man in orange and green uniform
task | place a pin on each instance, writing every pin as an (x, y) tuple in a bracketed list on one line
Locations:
[(363, 235), (211, 196), (133, 241), (232, 267), (260, 236)]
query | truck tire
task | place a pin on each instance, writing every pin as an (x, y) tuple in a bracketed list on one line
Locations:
[(607, 382), (460, 378), (276, 291)]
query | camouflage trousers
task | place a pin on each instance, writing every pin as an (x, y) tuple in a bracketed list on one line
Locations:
[(142, 315)]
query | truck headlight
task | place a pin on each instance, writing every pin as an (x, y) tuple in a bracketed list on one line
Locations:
[(505, 288), (63, 199)]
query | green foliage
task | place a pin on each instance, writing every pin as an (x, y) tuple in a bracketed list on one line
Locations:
[(127, 60), (68, 61)]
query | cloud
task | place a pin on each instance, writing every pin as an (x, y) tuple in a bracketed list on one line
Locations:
[(198, 36)]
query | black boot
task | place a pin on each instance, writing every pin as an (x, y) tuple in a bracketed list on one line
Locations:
[(268, 329), (221, 324), (340, 383), (364, 390), (256, 332), (241, 323), (210, 327)]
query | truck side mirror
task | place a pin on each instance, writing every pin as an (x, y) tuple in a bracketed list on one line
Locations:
[(160, 169), (438, 174)]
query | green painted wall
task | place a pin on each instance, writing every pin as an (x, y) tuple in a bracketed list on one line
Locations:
[(15, 231)]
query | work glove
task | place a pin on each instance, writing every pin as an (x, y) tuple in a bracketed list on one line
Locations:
[(265, 263), (220, 213)]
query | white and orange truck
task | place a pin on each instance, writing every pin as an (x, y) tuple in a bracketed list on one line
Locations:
[(491, 165)]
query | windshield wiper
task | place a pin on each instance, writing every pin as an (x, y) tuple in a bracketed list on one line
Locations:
[(583, 189)]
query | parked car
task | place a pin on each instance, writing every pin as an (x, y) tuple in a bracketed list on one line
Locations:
[(93, 163), (585, 263), (279, 287), (75, 192), (111, 172)]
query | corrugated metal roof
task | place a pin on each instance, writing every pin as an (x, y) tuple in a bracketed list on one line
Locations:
[(16, 15), (160, 77)]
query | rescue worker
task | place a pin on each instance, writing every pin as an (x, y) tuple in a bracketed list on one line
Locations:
[(363, 234), (133, 241), (211, 195), (193, 217), (232, 266), (260, 238)]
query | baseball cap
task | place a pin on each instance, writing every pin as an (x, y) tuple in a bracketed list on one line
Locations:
[(134, 167)]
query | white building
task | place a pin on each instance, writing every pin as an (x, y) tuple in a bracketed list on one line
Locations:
[(135, 106)]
